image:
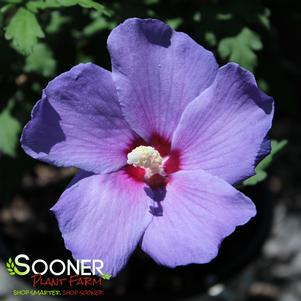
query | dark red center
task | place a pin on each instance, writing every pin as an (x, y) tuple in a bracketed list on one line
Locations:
[(163, 146)]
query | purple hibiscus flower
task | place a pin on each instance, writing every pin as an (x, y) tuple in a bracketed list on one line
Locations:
[(159, 142)]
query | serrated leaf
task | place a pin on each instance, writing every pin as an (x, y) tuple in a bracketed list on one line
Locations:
[(41, 61), (34, 6), (261, 174), (241, 48), (93, 4), (9, 130), (24, 31)]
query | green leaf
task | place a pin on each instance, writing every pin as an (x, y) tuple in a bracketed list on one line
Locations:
[(263, 85), (210, 38), (9, 130), (277, 146), (224, 17), (24, 31), (92, 4), (261, 174), (4, 9), (174, 23), (97, 25), (259, 177), (10, 260), (264, 19), (56, 22), (14, 1), (34, 6), (241, 48), (151, 2), (197, 17), (41, 61), (65, 2), (99, 7)]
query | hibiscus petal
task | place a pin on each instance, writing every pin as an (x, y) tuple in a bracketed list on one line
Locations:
[(157, 71), (198, 212), (78, 122), (224, 130), (103, 217)]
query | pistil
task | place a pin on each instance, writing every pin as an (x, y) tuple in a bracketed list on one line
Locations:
[(148, 158)]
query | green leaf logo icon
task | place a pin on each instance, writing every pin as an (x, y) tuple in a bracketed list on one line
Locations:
[(106, 276), (11, 267)]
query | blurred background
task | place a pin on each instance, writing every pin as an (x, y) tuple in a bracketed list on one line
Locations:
[(43, 38)]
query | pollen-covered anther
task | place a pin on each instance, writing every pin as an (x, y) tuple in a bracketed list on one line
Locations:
[(148, 158)]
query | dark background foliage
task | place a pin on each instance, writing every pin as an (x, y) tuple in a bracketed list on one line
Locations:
[(43, 38)]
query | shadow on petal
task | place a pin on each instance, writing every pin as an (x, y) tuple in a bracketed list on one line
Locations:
[(157, 33), (262, 100), (157, 195)]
